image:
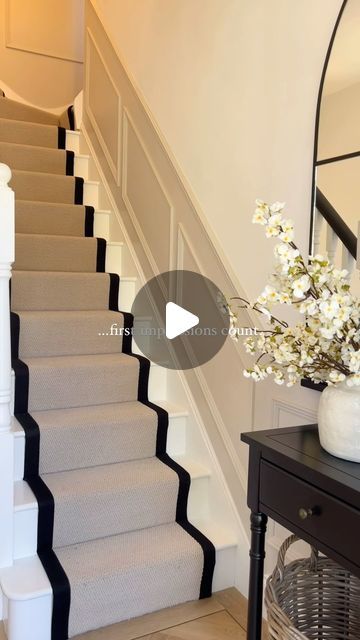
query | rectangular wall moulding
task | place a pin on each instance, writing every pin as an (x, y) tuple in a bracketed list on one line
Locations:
[(45, 27), (150, 206), (104, 106)]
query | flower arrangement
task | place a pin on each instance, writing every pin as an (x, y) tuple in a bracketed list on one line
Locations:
[(325, 346)]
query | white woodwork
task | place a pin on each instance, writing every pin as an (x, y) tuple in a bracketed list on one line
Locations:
[(7, 257)]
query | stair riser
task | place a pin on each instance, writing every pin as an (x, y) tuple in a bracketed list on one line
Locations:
[(31, 619), (157, 384), (113, 262), (91, 195), (81, 166), (102, 224), (73, 141), (127, 293)]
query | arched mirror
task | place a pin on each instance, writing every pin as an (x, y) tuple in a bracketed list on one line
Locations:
[(337, 146)]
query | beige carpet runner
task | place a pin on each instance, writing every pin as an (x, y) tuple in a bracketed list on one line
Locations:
[(113, 534)]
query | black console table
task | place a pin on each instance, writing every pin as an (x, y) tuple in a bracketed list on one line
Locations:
[(311, 493)]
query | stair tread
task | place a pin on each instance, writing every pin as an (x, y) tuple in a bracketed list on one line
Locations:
[(101, 478), (87, 360), (31, 132), (26, 578), (111, 478)]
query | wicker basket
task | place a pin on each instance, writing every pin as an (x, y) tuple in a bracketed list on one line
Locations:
[(312, 599)]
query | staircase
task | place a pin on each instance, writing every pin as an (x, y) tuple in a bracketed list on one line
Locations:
[(113, 515)]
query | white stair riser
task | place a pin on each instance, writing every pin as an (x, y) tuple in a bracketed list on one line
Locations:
[(73, 141), (198, 502), (25, 533), (102, 224), (113, 262), (176, 439), (127, 293), (91, 194), (157, 384), (225, 568), (81, 166), (31, 619)]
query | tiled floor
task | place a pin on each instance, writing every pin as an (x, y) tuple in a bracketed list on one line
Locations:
[(222, 617)]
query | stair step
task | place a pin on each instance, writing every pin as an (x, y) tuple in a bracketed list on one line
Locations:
[(28, 594), (51, 218), (44, 187), (143, 491), (116, 433), (40, 159), (38, 135), (60, 333), (13, 110), (40, 252), (111, 499), (69, 381), (48, 291)]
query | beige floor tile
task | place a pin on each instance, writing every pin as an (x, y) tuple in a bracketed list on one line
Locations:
[(218, 626), (235, 603), (153, 622)]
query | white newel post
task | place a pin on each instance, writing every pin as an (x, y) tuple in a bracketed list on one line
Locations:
[(7, 256)]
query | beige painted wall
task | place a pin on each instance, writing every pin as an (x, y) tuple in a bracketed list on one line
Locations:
[(339, 134), (339, 130), (41, 45), (233, 87)]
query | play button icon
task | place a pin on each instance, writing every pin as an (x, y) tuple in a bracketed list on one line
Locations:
[(178, 320)]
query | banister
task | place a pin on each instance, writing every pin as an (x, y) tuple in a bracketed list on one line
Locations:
[(336, 222), (7, 257)]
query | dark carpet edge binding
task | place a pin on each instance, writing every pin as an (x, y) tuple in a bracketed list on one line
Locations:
[(61, 137), (100, 255), (207, 546), (57, 577), (78, 190), (70, 160), (89, 221), (71, 117)]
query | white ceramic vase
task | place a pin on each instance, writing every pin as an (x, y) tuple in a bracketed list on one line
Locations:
[(339, 421)]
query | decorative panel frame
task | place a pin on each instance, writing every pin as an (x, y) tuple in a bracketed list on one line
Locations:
[(128, 122), (115, 166), (10, 43)]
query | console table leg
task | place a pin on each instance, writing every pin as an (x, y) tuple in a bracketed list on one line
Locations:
[(257, 554)]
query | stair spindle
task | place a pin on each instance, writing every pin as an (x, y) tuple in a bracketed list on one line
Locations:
[(318, 226), (331, 243)]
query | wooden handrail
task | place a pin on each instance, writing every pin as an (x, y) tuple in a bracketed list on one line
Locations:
[(335, 221)]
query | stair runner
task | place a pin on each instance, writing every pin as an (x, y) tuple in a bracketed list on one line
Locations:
[(113, 533)]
